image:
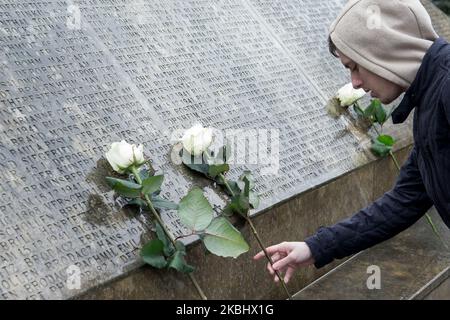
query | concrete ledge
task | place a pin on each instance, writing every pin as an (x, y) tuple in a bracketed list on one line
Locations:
[(435, 287), (442, 291)]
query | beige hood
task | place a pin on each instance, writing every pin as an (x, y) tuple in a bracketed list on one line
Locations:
[(386, 37)]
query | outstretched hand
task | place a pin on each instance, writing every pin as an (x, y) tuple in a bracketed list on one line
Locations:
[(286, 257)]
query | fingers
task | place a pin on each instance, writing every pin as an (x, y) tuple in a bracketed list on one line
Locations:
[(274, 258), (290, 271), (259, 255), (281, 264), (270, 250), (280, 272), (280, 261), (285, 276), (275, 278)]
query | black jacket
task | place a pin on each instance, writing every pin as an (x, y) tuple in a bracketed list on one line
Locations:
[(424, 179)]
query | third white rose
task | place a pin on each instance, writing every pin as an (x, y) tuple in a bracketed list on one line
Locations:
[(347, 95)]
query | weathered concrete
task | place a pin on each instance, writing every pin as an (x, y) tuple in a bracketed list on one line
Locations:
[(440, 19), (441, 292)]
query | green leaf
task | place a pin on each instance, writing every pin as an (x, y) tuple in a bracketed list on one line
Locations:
[(246, 187), (202, 168), (253, 200), (370, 110), (152, 254), (161, 203), (124, 187), (195, 163), (144, 174), (233, 206), (195, 211), (358, 110), (386, 140), (152, 184), (247, 175), (229, 209), (380, 149), (251, 197), (223, 239), (243, 203), (180, 246), (233, 186), (178, 263), (380, 113), (215, 169), (168, 248)]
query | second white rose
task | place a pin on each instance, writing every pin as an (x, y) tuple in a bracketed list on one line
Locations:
[(197, 139)]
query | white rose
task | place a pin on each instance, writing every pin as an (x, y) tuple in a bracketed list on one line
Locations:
[(123, 155), (197, 139), (347, 95)]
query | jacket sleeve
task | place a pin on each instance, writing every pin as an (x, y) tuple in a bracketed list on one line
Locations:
[(445, 99), (390, 214)]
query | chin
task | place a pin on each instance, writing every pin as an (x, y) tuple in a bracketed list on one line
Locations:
[(385, 100), (391, 98)]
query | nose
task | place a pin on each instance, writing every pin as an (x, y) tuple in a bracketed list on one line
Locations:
[(356, 82)]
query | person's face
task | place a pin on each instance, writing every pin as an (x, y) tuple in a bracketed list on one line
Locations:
[(380, 88)]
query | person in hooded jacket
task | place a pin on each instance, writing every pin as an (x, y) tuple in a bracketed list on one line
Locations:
[(390, 48)]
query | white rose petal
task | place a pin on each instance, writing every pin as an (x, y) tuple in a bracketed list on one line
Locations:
[(123, 155), (197, 139), (138, 154), (347, 95)]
